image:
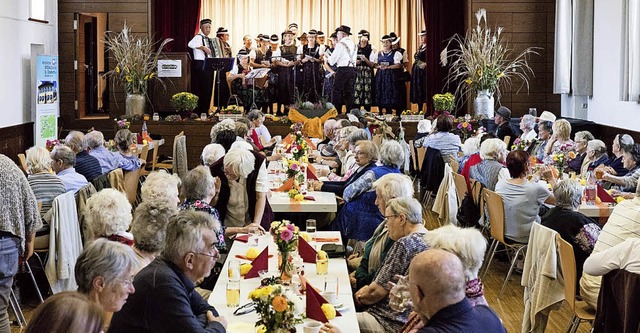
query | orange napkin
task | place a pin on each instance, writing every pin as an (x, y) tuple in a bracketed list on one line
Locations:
[(311, 172), (307, 252), (311, 145), (145, 136), (286, 186), (314, 303), (288, 139), (327, 239), (260, 263)]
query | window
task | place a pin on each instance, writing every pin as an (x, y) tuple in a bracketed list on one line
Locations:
[(37, 11)]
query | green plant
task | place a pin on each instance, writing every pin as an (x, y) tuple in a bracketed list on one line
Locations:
[(482, 60), (444, 102), (136, 60), (184, 101)]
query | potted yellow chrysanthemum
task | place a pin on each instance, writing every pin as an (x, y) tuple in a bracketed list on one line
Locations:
[(136, 65)]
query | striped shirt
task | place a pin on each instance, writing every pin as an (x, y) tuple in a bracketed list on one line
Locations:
[(46, 187), (87, 165)]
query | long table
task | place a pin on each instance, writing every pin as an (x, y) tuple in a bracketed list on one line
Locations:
[(245, 323), (325, 202)]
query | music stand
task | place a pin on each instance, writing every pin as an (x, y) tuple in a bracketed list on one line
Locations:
[(219, 65)]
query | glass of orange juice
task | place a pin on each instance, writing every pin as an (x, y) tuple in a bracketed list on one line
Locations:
[(233, 294), (322, 263)]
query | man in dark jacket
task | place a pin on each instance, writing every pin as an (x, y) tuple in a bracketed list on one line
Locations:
[(165, 299), (502, 118)]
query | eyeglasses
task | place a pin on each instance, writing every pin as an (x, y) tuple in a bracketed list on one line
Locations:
[(388, 216), (215, 256)]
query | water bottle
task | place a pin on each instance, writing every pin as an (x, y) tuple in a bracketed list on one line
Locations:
[(144, 129), (590, 189)]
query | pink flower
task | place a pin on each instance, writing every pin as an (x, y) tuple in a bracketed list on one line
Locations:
[(291, 227), (286, 235), (294, 167), (460, 126)]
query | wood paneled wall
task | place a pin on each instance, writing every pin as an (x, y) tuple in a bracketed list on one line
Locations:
[(16, 140), (526, 23), (136, 13)]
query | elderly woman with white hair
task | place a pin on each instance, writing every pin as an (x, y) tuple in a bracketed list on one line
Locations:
[(488, 172), (45, 185), (389, 186), (161, 186), (148, 229), (470, 147), (574, 227), (596, 156), (366, 155), (211, 153), (424, 129), (243, 189), (104, 272), (581, 139), (349, 166), (359, 218), (527, 124), (86, 165), (615, 165), (108, 215), (404, 224), (625, 185)]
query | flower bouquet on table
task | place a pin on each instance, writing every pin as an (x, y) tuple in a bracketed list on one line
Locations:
[(285, 235), (444, 103), (298, 146), (561, 157), (50, 144), (279, 309), (519, 144), (122, 123), (184, 102)]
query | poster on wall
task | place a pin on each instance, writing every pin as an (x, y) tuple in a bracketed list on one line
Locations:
[(47, 99)]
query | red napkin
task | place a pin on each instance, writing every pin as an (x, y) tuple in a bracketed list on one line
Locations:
[(314, 303), (311, 172), (307, 252), (310, 198), (242, 238), (603, 195), (260, 263)]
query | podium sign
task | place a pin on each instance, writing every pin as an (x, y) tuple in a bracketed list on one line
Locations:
[(46, 94), (174, 68)]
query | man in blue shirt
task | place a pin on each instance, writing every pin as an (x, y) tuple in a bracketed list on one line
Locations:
[(62, 164), (165, 299), (108, 160), (436, 284)]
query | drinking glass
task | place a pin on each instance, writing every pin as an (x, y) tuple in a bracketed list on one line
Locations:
[(322, 264), (254, 236), (233, 294), (311, 228), (533, 112), (234, 270), (399, 296)]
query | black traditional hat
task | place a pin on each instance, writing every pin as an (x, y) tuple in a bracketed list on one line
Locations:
[(345, 29), (287, 32), (274, 39), (364, 33), (222, 31), (424, 32), (264, 37), (386, 37), (205, 21), (504, 112), (333, 35), (312, 32), (304, 35), (243, 52), (259, 36), (320, 34), (394, 38), (293, 25)]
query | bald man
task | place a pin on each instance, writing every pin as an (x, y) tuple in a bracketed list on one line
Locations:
[(436, 283)]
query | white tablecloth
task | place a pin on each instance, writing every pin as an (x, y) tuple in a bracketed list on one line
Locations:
[(337, 271)]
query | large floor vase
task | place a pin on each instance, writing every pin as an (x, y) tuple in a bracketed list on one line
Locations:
[(135, 104), (484, 104)]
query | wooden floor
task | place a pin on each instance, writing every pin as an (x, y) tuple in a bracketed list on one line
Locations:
[(510, 308)]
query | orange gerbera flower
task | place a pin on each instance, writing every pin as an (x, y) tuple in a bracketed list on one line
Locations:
[(279, 304)]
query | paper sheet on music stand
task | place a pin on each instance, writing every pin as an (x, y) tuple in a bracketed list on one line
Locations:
[(258, 73)]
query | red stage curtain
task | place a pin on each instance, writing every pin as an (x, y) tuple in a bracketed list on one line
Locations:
[(177, 20), (443, 19)]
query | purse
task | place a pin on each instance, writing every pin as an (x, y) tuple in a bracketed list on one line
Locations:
[(334, 250)]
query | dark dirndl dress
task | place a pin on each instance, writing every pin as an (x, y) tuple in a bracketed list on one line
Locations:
[(328, 80), (311, 78), (418, 77), (388, 93), (363, 89), (285, 77)]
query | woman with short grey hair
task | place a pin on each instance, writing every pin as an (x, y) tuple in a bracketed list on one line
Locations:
[(574, 227), (104, 272), (45, 185), (491, 169), (596, 155), (359, 217), (211, 153), (527, 123), (161, 186), (108, 214), (615, 165), (581, 140), (148, 228)]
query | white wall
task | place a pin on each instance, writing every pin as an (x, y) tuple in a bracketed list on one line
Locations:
[(606, 107), (17, 34)]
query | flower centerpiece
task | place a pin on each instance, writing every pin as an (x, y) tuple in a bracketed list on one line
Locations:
[(299, 146), (279, 309), (122, 123), (184, 102), (50, 144), (481, 61), (136, 65), (465, 129), (562, 156), (285, 235), (444, 103), (519, 144)]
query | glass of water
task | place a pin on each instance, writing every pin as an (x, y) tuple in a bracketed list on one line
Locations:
[(254, 236), (399, 296), (311, 228), (533, 112)]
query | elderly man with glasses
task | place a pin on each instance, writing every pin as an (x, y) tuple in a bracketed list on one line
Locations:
[(165, 298)]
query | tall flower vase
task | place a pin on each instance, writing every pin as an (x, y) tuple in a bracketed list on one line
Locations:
[(285, 263), (484, 104), (135, 104)]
